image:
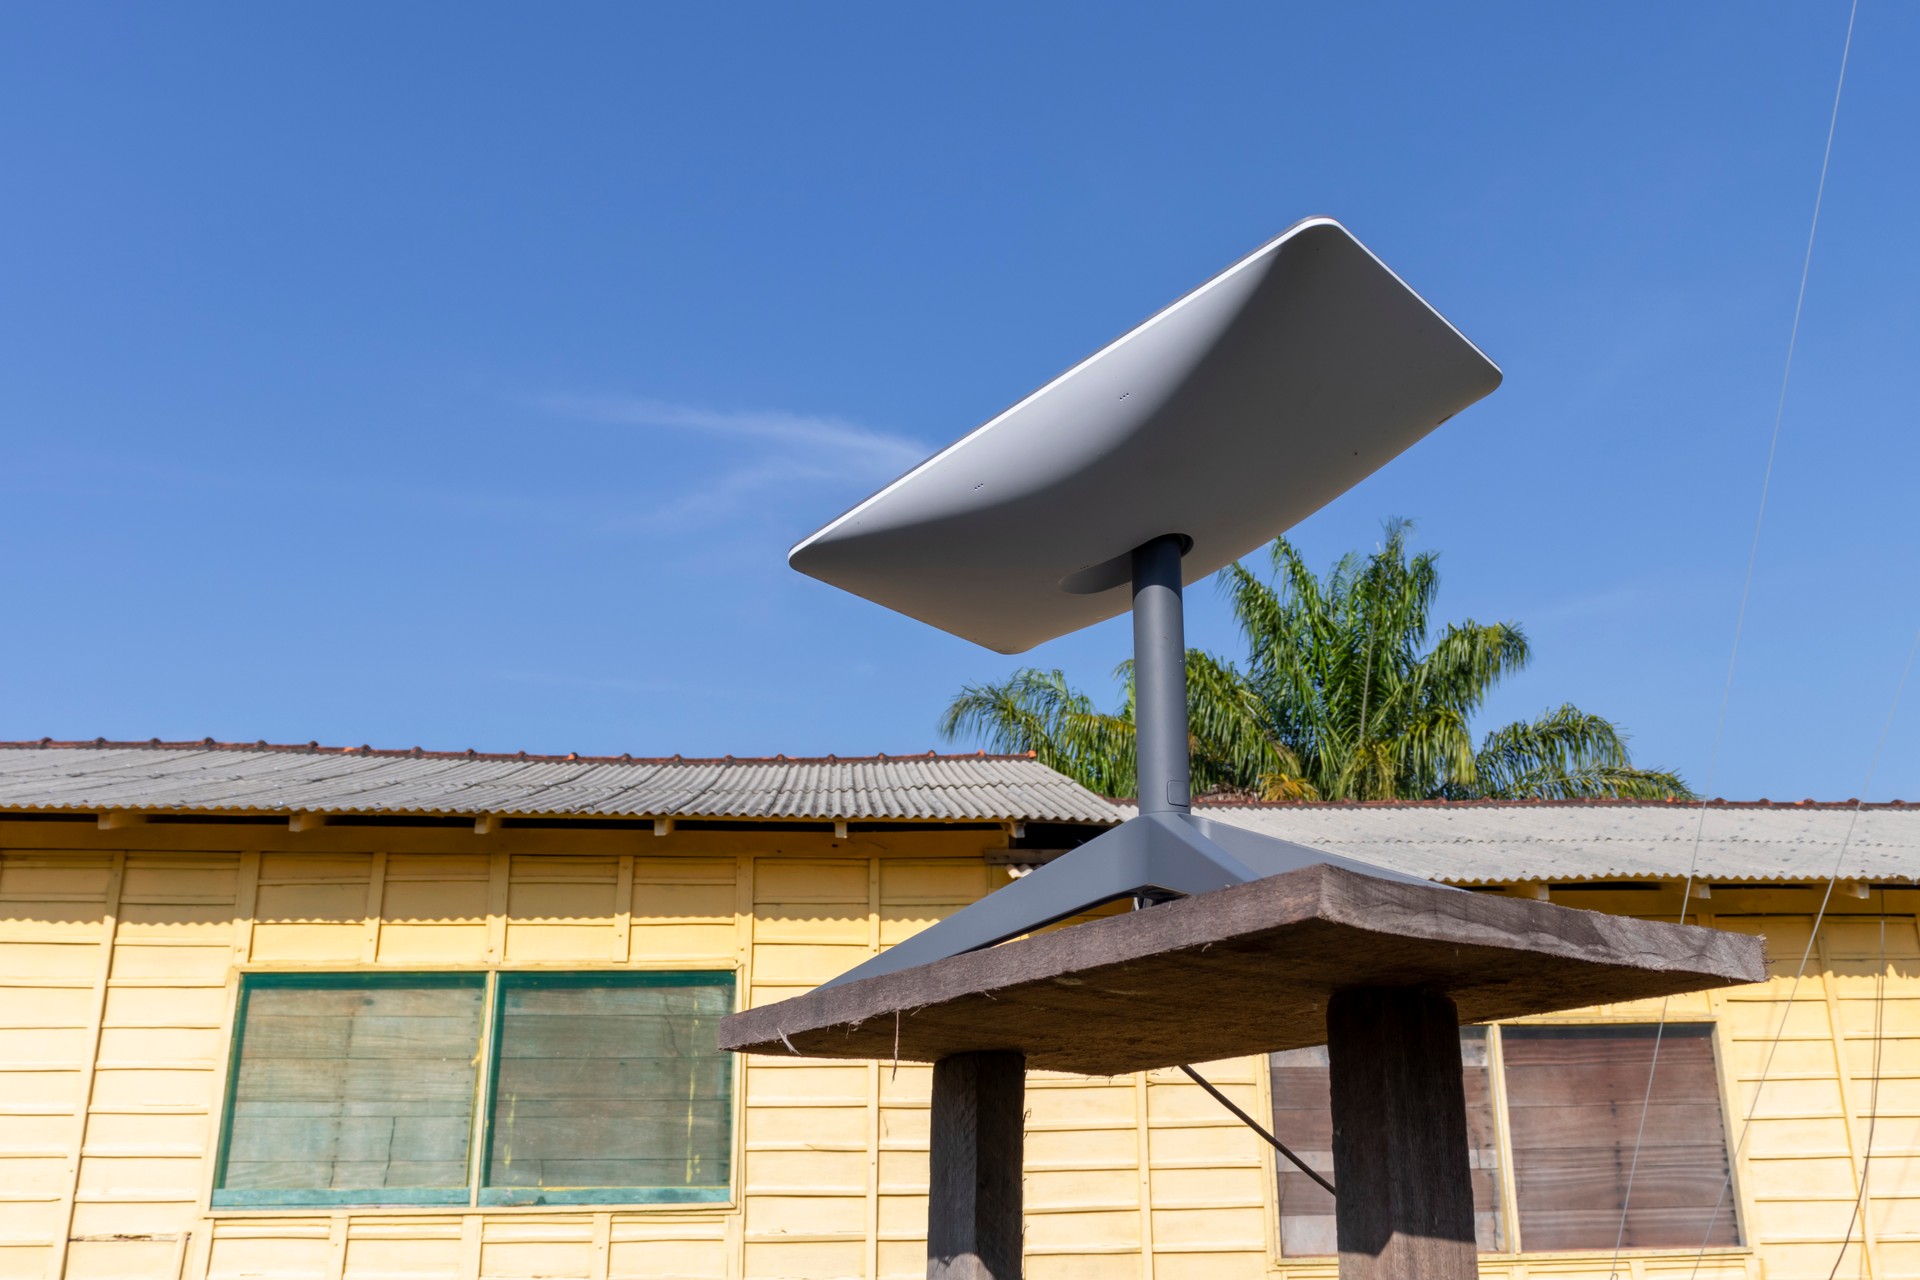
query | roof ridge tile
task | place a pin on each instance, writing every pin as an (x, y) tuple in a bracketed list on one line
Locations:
[(211, 744)]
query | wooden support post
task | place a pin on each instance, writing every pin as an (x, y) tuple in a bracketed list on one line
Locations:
[(978, 1125), (1403, 1206)]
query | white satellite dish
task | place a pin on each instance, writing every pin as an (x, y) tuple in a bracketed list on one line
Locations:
[(1227, 419), (1212, 428)]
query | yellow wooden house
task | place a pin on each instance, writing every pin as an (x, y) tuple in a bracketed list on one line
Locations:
[(298, 1012)]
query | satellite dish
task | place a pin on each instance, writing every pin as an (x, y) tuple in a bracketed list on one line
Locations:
[(1176, 449), (1226, 419)]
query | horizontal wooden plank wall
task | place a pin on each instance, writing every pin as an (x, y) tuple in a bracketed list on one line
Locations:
[(119, 955)]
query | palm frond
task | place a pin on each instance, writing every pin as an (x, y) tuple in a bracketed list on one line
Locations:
[(1469, 659), (1565, 754), (1232, 746), (1037, 711), (1342, 697)]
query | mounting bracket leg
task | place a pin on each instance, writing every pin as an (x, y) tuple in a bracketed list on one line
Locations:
[(1169, 852), (1165, 848)]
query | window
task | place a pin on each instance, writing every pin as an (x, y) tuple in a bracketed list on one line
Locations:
[(349, 1091), (1573, 1101), (602, 1082), (1303, 1119), (1573, 1104), (598, 1088)]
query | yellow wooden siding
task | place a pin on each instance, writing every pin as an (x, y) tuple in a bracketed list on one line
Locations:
[(118, 970)]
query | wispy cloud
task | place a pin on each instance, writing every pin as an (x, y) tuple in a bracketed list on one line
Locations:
[(813, 435), (729, 492), (800, 454)]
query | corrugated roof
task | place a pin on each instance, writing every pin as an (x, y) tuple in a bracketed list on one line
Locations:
[(1481, 842), (210, 777), (1491, 842)]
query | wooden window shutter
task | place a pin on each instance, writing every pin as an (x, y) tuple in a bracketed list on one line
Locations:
[(1303, 1119), (1574, 1096)]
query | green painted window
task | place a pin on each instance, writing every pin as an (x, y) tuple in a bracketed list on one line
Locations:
[(603, 1082), (352, 1090), (600, 1088)]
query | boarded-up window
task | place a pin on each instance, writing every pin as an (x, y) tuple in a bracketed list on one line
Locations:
[(601, 1088), (1574, 1098), (610, 1081), (352, 1090), (1303, 1119)]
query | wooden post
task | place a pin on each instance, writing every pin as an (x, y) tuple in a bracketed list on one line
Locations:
[(1403, 1205), (978, 1125)]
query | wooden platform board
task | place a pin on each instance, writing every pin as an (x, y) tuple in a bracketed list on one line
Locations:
[(1245, 970)]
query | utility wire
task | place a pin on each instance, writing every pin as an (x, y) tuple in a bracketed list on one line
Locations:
[(1813, 936), (1740, 617), (1773, 449), (1873, 1104)]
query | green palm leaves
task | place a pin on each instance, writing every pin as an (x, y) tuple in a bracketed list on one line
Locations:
[(1342, 698)]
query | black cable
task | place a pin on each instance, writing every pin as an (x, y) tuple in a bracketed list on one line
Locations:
[(1254, 1125)]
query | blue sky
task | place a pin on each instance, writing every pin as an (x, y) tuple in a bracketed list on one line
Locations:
[(458, 375)]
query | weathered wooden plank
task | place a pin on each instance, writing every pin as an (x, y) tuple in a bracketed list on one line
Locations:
[(1665, 1177), (628, 1035), (373, 1036), (345, 998), (383, 1081), (1645, 1229), (635, 1079), (1173, 983), (974, 1208), (695, 1169), (1404, 1194), (701, 1129), (1559, 1082), (325, 1173), (1615, 1125), (389, 1137), (672, 996)]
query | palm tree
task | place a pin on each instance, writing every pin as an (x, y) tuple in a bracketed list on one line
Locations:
[(1342, 698)]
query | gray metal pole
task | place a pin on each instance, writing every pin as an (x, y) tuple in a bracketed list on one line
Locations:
[(1160, 677)]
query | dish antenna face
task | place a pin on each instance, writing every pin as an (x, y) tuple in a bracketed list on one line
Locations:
[(1227, 418), (1210, 429)]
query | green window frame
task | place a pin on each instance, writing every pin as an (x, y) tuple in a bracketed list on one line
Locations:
[(477, 1088), (610, 1101)]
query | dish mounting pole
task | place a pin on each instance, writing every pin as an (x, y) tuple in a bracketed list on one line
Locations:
[(1165, 851), (1163, 769)]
